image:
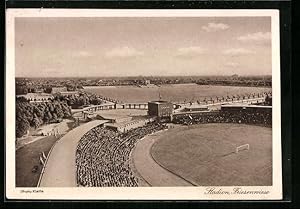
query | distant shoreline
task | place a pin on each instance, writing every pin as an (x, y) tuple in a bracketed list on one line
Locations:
[(180, 84)]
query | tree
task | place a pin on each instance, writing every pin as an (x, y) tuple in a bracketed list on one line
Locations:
[(66, 111), (22, 126), (35, 114), (36, 122), (58, 110), (21, 99), (39, 111), (48, 117), (82, 101), (51, 108), (54, 117), (268, 100), (48, 90)]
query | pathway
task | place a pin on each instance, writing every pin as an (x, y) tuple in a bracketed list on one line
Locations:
[(60, 170)]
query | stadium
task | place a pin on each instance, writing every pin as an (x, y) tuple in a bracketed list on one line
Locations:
[(225, 143), (152, 99)]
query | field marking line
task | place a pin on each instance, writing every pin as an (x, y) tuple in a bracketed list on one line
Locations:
[(151, 155)]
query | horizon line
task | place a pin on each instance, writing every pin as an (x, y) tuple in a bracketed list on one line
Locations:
[(140, 76)]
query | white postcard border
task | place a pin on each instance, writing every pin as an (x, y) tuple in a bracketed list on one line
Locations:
[(273, 192)]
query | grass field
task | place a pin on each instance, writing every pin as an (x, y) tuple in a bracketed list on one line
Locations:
[(204, 154), (27, 157)]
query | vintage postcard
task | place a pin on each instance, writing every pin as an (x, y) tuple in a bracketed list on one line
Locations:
[(143, 104)]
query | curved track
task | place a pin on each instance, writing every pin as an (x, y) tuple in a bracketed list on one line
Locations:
[(151, 172), (60, 170)]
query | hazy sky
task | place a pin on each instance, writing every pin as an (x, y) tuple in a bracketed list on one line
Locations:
[(106, 46)]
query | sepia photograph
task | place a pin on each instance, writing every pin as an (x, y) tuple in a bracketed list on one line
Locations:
[(143, 104)]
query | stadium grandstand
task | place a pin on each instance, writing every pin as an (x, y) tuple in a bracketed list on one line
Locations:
[(103, 156), (128, 125), (37, 97), (103, 153), (247, 114)]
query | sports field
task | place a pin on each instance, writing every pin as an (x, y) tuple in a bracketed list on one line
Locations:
[(205, 154)]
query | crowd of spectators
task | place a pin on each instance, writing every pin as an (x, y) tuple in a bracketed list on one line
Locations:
[(103, 156), (255, 117)]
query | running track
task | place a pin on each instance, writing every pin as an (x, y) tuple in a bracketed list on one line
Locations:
[(151, 172), (60, 170)]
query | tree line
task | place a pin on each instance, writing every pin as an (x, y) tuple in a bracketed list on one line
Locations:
[(23, 88), (250, 83), (79, 100), (36, 114)]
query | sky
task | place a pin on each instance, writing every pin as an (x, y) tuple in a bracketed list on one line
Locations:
[(142, 46)]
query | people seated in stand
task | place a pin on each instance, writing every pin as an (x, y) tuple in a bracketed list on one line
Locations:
[(103, 156), (246, 117)]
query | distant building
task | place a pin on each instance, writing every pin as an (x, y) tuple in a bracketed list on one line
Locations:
[(160, 109), (235, 76), (37, 97), (58, 90), (128, 125), (67, 93), (39, 90), (196, 108), (114, 119)]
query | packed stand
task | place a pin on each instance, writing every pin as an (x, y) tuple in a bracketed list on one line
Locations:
[(246, 117), (103, 156)]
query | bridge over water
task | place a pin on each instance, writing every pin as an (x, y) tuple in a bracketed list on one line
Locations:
[(211, 104)]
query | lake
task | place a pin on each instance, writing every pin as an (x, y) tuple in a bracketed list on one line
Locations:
[(172, 92)]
